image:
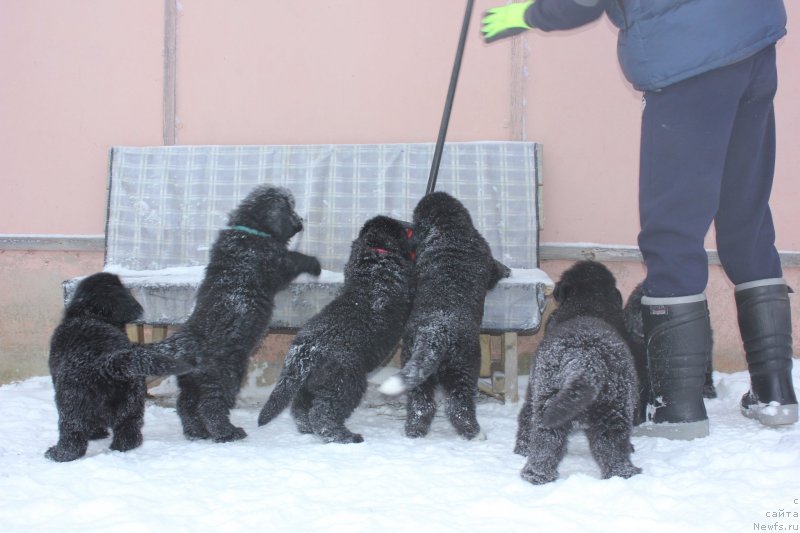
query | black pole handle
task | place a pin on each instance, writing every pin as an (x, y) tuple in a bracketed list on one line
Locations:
[(448, 105)]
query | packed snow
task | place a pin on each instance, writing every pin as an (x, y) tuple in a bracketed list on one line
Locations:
[(744, 477)]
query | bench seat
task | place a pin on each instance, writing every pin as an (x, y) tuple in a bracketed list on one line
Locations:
[(168, 297)]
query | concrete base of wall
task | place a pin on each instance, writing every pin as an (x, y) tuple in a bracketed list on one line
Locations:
[(31, 306)]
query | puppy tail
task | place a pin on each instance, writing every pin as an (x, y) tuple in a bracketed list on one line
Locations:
[(140, 361), (296, 368), (426, 356), (581, 388)]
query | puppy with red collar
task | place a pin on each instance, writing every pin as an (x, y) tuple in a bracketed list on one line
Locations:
[(325, 372)]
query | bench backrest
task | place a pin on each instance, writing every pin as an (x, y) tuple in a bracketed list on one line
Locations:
[(167, 203)]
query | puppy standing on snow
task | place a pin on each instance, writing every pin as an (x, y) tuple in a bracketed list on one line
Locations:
[(441, 343), (325, 372), (582, 375), (98, 385), (249, 263)]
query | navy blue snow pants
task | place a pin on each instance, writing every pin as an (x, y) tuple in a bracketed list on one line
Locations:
[(708, 154)]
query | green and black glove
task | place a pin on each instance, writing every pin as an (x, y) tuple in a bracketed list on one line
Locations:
[(505, 21)]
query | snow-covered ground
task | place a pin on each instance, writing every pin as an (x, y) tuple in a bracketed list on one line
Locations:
[(741, 478)]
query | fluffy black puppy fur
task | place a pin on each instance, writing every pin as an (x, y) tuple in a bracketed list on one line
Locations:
[(325, 372), (249, 263), (98, 386), (632, 315), (441, 343), (582, 376), (635, 328)]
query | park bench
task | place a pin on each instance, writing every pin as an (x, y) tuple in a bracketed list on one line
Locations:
[(166, 205)]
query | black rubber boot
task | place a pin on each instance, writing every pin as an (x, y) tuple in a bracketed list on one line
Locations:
[(765, 323), (678, 342)]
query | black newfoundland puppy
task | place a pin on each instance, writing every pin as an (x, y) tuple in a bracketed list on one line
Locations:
[(325, 372), (249, 263), (441, 343), (582, 376), (98, 383)]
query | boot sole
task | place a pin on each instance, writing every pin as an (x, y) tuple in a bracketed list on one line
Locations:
[(772, 415), (674, 431)]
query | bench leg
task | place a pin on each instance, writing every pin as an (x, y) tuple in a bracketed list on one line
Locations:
[(159, 333), (136, 332), (510, 367), (504, 369), (486, 357)]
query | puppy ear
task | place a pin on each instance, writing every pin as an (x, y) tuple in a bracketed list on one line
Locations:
[(561, 291)]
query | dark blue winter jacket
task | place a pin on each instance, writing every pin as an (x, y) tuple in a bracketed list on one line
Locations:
[(662, 42)]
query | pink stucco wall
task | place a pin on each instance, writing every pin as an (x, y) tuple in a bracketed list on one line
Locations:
[(31, 305), (84, 75), (345, 71), (81, 76), (77, 77)]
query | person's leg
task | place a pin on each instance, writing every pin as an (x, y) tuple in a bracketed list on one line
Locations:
[(746, 243), (745, 233), (685, 133), (686, 129)]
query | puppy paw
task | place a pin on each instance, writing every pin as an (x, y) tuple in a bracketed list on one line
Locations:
[(414, 432), (463, 421), (709, 391), (337, 434), (479, 436), (126, 441), (304, 428), (196, 434), (235, 434), (313, 267), (63, 455), (353, 438), (392, 386), (625, 471), (470, 432), (538, 478)]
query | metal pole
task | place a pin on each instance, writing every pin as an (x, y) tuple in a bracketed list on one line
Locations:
[(448, 105)]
